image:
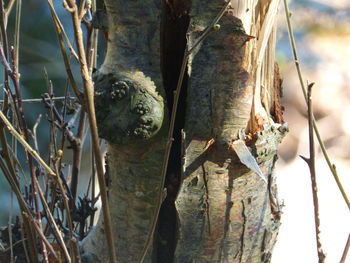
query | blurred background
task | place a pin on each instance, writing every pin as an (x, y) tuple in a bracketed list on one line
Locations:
[(322, 32)]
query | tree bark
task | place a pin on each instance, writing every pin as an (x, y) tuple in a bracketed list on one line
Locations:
[(225, 212), (132, 118)]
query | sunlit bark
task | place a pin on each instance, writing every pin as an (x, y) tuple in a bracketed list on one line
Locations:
[(226, 212)]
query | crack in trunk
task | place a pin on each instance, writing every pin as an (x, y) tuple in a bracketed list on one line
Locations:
[(243, 231), (207, 208), (229, 205)]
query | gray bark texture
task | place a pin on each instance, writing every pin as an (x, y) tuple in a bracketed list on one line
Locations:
[(225, 212), (136, 147)]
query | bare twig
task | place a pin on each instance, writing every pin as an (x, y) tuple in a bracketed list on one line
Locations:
[(61, 29), (64, 196), (90, 108), (346, 250), (70, 6), (11, 247), (319, 139), (17, 30), (35, 137), (93, 64), (93, 181), (75, 141), (5, 53), (16, 65), (46, 99), (77, 153), (311, 163), (10, 227), (9, 7), (188, 51), (12, 180), (13, 73), (4, 61), (83, 9), (19, 137), (52, 130), (54, 226), (85, 5), (63, 126), (6, 153), (61, 34), (75, 249), (41, 235)]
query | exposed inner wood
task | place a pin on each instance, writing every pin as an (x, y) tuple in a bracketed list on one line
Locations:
[(277, 109)]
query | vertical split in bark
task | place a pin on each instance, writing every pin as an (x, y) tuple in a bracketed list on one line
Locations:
[(173, 43)]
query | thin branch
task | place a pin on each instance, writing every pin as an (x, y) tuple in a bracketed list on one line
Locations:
[(70, 6), (92, 61), (52, 129), (90, 108), (63, 126), (9, 7), (319, 139), (346, 250), (63, 113), (35, 137), (95, 31), (75, 249), (77, 154), (10, 228), (5, 53), (64, 196), (45, 99), (53, 224), (4, 61), (41, 235), (61, 29), (311, 163), (16, 65), (60, 35), (24, 143), (11, 247), (5, 153), (17, 30), (93, 181), (13, 73), (188, 52), (12, 180), (212, 27), (83, 9)]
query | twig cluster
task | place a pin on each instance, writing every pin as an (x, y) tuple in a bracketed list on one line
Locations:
[(51, 193)]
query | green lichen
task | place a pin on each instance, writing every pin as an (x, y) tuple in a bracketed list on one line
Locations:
[(128, 109)]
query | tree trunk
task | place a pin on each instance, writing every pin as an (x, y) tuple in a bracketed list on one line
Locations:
[(217, 209), (132, 118)]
